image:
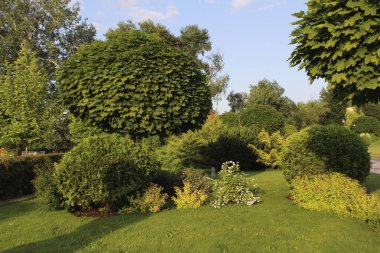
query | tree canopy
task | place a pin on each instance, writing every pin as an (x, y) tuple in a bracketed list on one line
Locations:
[(270, 93), (339, 41), (24, 100), (134, 83), (53, 30)]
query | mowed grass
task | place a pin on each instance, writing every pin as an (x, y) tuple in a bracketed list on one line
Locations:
[(374, 149), (276, 225)]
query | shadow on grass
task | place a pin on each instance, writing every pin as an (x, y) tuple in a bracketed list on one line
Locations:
[(17, 209), (81, 237), (372, 182)]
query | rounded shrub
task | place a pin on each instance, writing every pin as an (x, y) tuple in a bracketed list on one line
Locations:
[(263, 117), (103, 171), (337, 193), (325, 148), (366, 124), (233, 145)]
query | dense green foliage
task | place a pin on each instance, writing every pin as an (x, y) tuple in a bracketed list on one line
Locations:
[(103, 171), (230, 187), (310, 113), (262, 116), (366, 124), (337, 193), (231, 119), (267, 92), (336, 108), (339, 42), (53, 28), (80, 130), (16, 173), (134, 83), (45, 184), (232, 145), (236, 101), (325, 148), (24, 100), (275, 225), (372, 110)]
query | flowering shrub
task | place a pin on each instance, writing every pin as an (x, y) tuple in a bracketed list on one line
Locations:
[(195, 191), (152, 201), (231, 187)]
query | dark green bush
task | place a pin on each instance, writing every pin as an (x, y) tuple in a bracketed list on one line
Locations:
[(231, 119), (337, 193), (103, 171), (372, 110), (232, 145), (366, 124), (46, 186), (263, 116), (17, 173), (325, 148)]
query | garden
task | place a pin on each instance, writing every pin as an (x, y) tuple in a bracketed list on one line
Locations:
[(114, 145)]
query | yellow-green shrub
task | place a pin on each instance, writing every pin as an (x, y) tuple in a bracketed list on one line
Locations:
[(336, 193), (188, 197)]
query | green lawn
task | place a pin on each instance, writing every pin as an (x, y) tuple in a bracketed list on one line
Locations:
[(276, 225), (374, 149)]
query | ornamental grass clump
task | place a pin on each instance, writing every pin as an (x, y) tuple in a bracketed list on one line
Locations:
[(231, 187)]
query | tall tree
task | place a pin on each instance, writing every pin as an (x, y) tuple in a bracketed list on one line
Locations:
[(312, 112), (24, 91), (337, 107), (267, 92), (339, 41), (236, 101), (217, 82), (53, 28)]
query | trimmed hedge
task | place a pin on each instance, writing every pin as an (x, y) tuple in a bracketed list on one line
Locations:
[(16, 173)]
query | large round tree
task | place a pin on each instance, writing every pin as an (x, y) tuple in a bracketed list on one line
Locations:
[(339, 41), (136, 84)]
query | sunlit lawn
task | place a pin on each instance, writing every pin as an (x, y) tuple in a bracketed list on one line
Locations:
[(276, 225), (374, 149)]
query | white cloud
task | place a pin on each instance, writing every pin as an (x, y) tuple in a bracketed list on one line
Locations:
[(142, 13), (238, 4)]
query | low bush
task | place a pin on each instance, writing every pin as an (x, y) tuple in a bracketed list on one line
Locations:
[(366, 124), (153, 200), (289, 130), (325, 148), (337, 193), (366, 138), (230, 187), (102, 171), (195, 191), (263, 117), (17, 173), (232, 145), (46, 186)]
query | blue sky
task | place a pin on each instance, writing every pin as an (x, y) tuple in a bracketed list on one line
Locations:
[(253, 35)]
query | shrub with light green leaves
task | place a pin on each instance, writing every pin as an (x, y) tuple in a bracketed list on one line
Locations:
[(230, 187), (336, 193), (103, 171)]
